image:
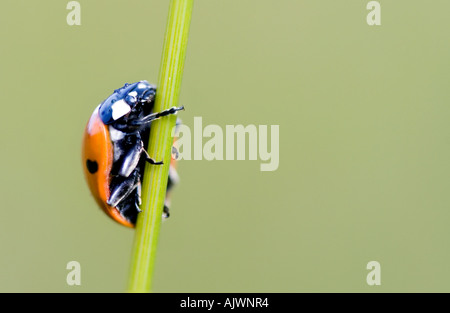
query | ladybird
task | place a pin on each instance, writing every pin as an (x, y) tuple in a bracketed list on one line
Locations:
[(114, 150)]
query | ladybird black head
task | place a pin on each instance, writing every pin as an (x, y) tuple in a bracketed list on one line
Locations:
[(92, 166), (125, 99)]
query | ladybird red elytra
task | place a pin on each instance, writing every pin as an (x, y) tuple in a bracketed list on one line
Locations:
[(114, 150)]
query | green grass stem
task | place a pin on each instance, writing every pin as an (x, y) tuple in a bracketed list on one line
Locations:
[(159, 147)]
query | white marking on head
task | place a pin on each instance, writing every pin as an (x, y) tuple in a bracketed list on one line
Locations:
[(142, 85), (119, 109), (133, 93)]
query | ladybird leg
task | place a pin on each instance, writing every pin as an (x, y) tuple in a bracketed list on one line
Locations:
[(132, 156), (129, 207), (137, 208), (151, 117), (177, 126), (122, 188), (137, 204), (138, 195), (166, 213), (173, 179), (150, 160), (175, 153)]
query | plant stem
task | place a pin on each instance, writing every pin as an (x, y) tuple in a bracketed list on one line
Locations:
[(160, 144)]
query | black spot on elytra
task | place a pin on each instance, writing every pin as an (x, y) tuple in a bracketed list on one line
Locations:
[(92, 166)]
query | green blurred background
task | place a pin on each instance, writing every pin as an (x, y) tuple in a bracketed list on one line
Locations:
[(364, 166)]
